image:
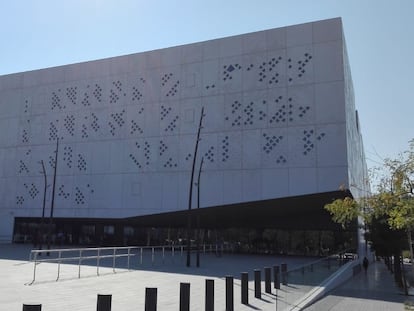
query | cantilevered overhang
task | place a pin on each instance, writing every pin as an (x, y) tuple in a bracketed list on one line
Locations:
[(304, 212)]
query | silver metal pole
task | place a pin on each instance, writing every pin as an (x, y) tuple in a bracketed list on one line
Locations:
[(60, 255)]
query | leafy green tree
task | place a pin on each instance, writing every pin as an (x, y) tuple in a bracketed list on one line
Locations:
[(390, 209)]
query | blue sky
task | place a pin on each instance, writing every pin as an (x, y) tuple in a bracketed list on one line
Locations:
[(379, 34)]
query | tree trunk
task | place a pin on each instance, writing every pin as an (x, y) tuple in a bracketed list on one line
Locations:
[(397, 270)]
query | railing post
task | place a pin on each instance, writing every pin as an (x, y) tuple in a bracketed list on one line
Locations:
[(257, 284), (152, 256), (141, 255), (113, 260), (245, 288), (268, 281), (34, 268), (98, 259), (209, 295), (80, 260), (150, 299), (204, 248), (32, 307), (104, 303), (163, 254), (229, 293), (182, 251), (129, 254), (58, 274), (184, 296)]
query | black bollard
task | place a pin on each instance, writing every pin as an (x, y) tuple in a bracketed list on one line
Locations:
[(184, 296), (104, 302), (284, 274), (257, 284), (268, 280), (209, 295), (150, 299), (245, 288), (276, 276), (32, 307), (229, 294)]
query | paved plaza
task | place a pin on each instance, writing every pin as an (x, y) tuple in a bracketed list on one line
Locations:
[(375, 290), (128, 287)]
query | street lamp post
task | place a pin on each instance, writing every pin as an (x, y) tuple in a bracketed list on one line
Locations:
[(198, 207), (191, 190), (52, 205), (44, 205)]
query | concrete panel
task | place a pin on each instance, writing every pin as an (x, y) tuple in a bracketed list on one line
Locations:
[(274, 148), (302, 146), (275, 183), (254, 42), (213, 120), (190, 111), (191, 84), (211, 78), (252, 185), (209, 150), (276, 38), (232, 187), (302, 180), (170, 185), (328, 61), (168, 154), (301, 103), (327, 30), (251, 149), (329, 102), (279, 108), (332, 178), (229, 152), (192, 53), (300, 65), (211, 49), (231, 46), (299, 35), (332, 146), (231, 74), (211, 191)]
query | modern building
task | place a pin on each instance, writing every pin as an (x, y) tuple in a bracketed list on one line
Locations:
[(280, 137)]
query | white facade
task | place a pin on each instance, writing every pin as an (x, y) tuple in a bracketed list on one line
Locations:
[(277, 124)]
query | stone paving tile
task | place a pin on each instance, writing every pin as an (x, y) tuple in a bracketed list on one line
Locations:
[(128, 287)]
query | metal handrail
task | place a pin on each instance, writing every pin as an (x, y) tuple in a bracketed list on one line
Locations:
[(85, 254)]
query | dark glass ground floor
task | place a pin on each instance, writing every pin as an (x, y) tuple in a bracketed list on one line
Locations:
[(296, 225), (106, 232)]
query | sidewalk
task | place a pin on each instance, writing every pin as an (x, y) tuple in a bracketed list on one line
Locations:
[(371, 291)]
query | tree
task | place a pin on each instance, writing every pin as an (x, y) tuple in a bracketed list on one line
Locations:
[(390, 209)]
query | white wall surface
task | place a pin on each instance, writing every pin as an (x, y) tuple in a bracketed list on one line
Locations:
[(274, 125)]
